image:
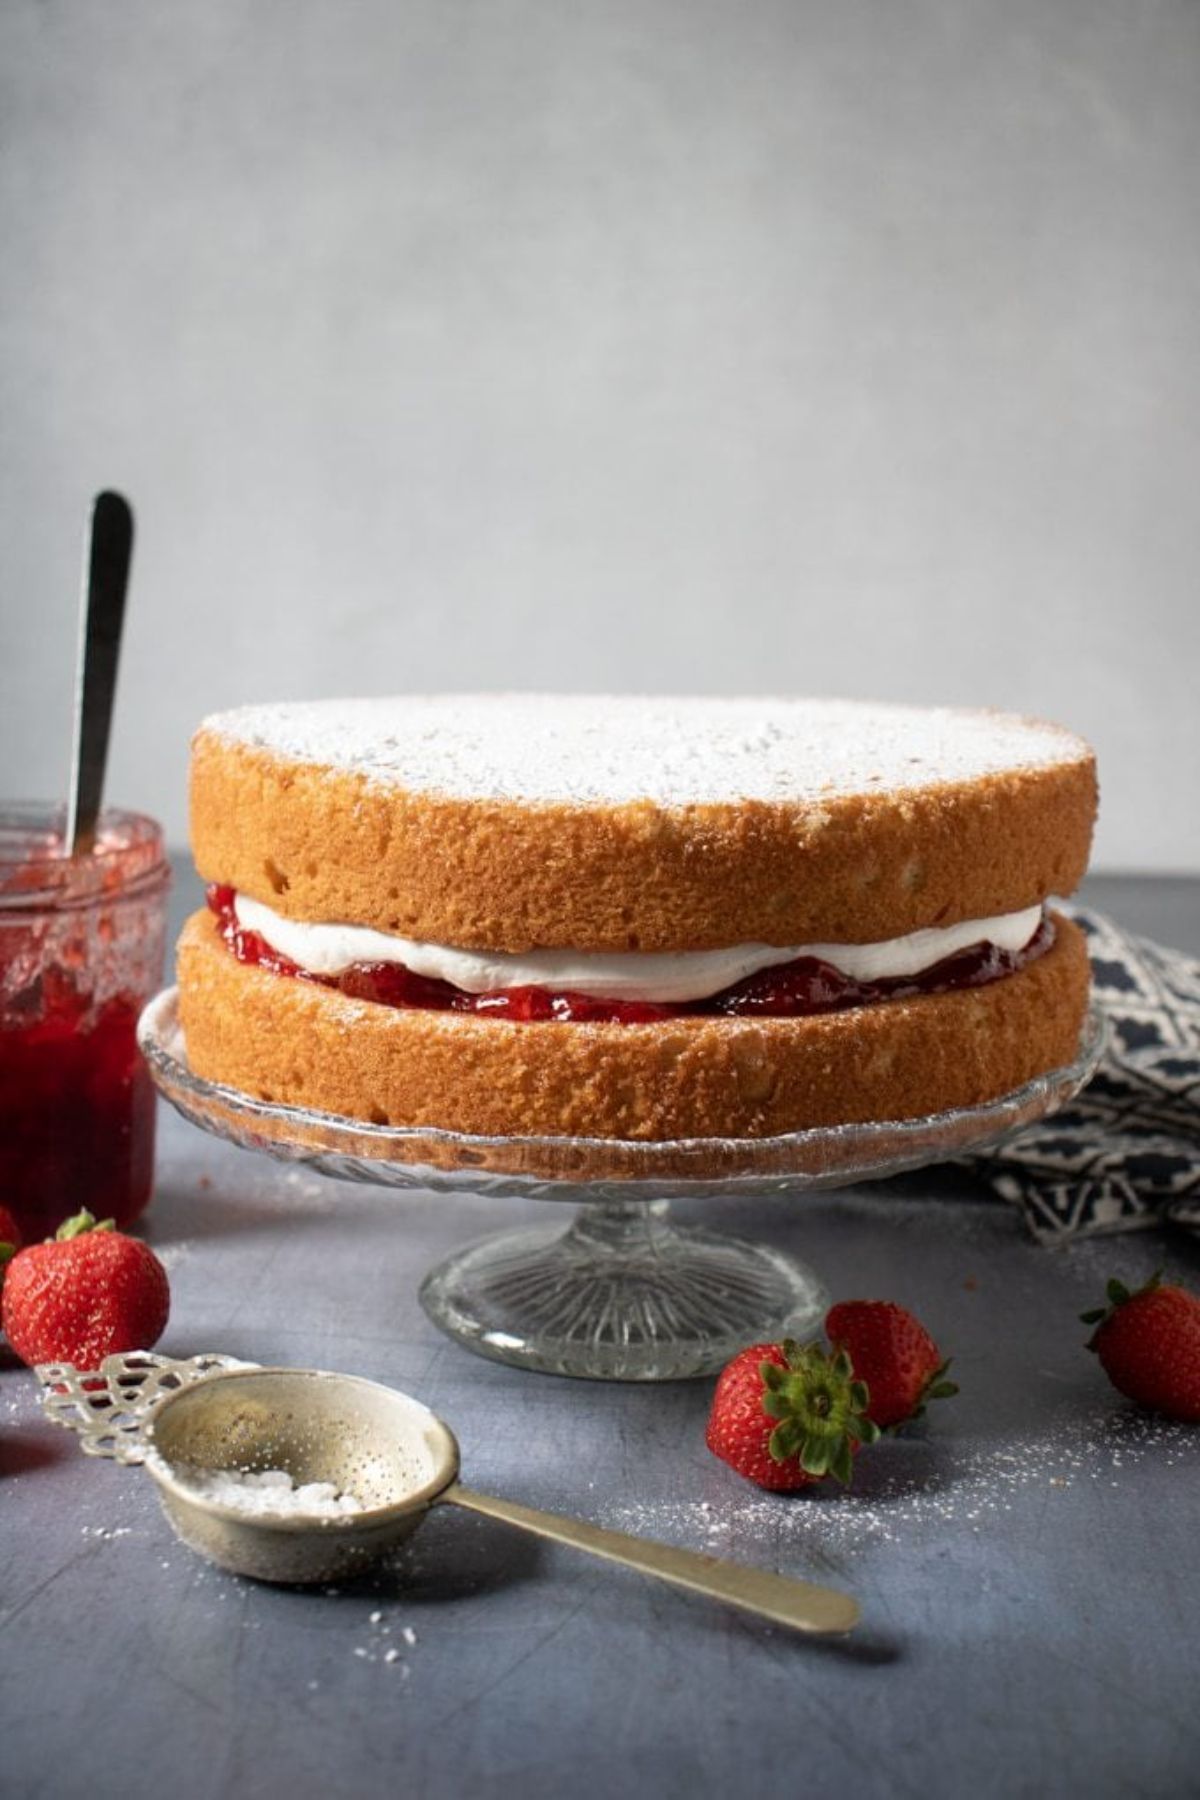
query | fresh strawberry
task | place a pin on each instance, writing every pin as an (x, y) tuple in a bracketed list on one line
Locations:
[(88, 1293), (893, 1354), (786, 1415), (1148, 1343)]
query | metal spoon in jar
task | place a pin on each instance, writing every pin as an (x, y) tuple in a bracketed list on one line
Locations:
[(108, 550)]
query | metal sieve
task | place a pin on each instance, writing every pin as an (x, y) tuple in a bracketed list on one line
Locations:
[(374, 1442)]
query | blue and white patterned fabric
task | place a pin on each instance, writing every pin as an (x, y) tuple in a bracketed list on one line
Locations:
[(1125, 1155)]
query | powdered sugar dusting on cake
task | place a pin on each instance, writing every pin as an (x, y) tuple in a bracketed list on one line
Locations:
[(596, 750)]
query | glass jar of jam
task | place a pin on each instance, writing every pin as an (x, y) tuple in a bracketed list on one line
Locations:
[(81, 951)]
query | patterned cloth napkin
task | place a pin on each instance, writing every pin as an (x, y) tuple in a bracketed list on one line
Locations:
[(1125, 1155)]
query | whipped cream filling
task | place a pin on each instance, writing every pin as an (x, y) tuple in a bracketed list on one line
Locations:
[(666, 976)]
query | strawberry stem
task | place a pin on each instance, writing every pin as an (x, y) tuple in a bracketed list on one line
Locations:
[(79, 1223), (1118, 1295), (820, 1410), (936, 1388)]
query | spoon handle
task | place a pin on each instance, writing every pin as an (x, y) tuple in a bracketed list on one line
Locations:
[(799, 1604), (102, 613)]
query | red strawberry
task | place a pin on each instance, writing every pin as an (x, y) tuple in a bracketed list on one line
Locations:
[(88, 1293), (1148, 1343), (786, 1415), (893, 1354)]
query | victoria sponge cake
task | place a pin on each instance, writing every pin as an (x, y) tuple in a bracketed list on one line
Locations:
[(633, 918)]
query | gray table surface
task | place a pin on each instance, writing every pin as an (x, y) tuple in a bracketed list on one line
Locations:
[(1027, 1561)]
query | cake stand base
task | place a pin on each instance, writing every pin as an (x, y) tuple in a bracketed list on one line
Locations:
[(621, 1295)]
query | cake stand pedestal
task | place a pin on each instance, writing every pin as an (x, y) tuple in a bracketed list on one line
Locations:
[(621, 1293)]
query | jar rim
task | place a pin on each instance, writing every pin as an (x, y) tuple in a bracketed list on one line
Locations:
[(37, 871)]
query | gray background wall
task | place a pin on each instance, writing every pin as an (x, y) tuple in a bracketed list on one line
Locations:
[(650, 344)]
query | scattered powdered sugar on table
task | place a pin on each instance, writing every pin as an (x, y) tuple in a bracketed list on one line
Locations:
[(672, 752), (268, 1492), (171, 1255), (377, 1650), (310, 1189), (985, 1481)]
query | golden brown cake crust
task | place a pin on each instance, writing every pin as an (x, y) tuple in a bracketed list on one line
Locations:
[(320, 843), (292, 1041)]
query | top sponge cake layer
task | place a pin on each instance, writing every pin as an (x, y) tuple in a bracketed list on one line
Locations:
[(605, 751), (518, 822)]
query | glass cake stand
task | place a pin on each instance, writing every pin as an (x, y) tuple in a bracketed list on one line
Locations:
[(621, 1293)]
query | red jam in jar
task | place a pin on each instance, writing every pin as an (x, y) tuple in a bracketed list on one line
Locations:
[(81, 951)]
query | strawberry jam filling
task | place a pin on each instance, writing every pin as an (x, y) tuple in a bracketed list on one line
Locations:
[(790, 990)]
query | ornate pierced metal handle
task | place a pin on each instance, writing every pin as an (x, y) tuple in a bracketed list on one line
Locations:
[(108, 1407)]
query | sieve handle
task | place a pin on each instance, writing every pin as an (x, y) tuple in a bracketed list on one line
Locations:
[(799, 1604)]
